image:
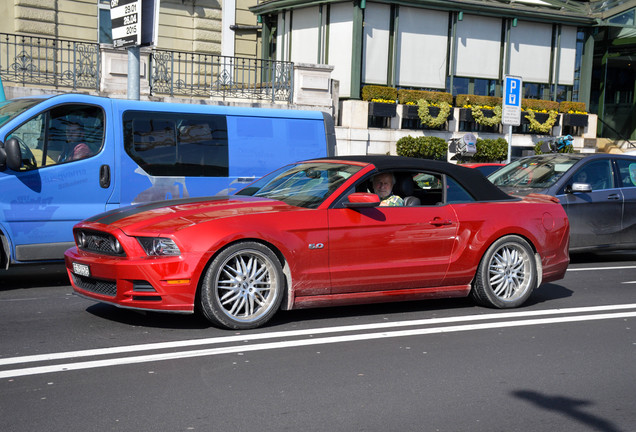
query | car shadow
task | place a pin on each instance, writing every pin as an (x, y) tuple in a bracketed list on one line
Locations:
[(33, 276), (140, 318), (602, 257)]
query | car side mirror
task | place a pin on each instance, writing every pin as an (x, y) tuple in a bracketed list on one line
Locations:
[(13, 154), (579, 188), (362, 200)]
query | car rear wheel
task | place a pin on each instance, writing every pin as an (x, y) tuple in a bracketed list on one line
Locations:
[(243, 286), (507, 274)]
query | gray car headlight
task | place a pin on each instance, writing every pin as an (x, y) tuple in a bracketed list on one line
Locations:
[(159, 246)]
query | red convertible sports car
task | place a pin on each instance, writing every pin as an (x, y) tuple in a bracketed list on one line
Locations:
[(314, 234)]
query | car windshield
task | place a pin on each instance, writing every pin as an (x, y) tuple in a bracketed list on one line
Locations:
[(303, 185), (533, 172), (12, 108)]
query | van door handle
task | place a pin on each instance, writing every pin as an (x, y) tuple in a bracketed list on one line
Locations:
[(613, 197), (104, 176)]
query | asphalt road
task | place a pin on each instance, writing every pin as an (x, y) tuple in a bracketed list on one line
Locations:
[(566, 361)]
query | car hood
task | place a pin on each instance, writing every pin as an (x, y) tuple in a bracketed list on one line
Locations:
[(173, 215)]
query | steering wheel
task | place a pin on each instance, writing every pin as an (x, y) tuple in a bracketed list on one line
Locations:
[(28, 159)]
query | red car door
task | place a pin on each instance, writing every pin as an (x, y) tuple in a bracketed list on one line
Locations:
[(384, 248)]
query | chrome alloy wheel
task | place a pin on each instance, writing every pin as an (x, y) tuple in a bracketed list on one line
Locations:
[(510, 271), (246, 285)]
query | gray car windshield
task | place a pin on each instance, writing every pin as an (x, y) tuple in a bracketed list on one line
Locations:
[(302, 185), (533, 172)]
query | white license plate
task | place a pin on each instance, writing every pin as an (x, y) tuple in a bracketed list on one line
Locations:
[(81, 269)]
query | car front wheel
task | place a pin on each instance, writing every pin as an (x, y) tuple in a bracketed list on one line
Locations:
[(507, 274), (243, 287)]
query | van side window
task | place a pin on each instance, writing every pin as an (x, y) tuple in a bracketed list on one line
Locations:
[(60, 135), (171, 144)]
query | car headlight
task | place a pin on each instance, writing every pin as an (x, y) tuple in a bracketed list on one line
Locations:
[(159, 246)]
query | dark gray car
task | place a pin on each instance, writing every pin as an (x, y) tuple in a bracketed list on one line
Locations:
[(598, 192)]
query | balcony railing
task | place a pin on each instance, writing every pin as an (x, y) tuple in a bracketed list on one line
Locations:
[(208, 75), (29, 60), (47, 62)]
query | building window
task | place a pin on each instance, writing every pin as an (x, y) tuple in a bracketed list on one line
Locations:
[(105, 26)]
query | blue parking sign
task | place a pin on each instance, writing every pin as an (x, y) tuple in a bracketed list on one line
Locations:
[(512, 86), (511, 112)]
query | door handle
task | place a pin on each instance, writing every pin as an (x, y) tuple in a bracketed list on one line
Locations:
[(104, 176), (440, 222), (613, 197)]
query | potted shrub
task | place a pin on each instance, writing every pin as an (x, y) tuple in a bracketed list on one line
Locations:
[(483, 110), (438, 104), (382, 100), (574, 113), (425, 147), (540, 115)]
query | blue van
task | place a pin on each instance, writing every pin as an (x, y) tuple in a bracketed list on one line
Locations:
[(64, 158)]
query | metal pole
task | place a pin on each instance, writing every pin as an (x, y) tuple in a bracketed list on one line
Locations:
[(133, 73), (509, 143)]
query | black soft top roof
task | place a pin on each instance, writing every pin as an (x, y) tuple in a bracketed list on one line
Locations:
[(471, 179)]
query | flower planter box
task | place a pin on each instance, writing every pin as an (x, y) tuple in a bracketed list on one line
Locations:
[(411, 112), (381, 109), (466, 114), (578, 120), (540, 117)]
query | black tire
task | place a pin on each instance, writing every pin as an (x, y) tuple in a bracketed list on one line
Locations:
[(243, 287), (507, 274)]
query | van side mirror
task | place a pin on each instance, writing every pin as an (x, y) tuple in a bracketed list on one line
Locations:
[(13, 154)]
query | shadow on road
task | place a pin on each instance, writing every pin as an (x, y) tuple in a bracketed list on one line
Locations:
[(147, 318), (572, 408), (33, 276), (602, 257)]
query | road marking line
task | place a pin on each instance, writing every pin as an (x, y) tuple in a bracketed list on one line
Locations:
[(601, 268), (306, 332), (303, 342)]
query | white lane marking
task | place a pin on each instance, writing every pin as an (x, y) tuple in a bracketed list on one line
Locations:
[(306, 332), (601, 268), (304, 342)]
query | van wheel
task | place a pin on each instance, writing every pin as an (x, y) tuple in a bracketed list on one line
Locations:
[(507, 274), (243, 287)]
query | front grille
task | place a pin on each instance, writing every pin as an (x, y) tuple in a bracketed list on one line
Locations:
[(99, 242), (97, 286)]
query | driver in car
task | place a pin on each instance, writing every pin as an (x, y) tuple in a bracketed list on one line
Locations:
[(383, 187)]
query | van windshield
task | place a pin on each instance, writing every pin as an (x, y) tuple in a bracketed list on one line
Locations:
[(12, 108)]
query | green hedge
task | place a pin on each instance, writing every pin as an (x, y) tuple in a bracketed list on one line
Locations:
[(491, 150), (371, 92), (424, 147), (577, 107), (406, 96), (539, 104), (477, 100)]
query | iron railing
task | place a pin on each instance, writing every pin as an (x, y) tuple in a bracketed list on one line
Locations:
[(208, 75), (30, 60)]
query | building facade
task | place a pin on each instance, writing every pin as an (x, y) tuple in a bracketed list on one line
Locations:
[(563, 50)]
